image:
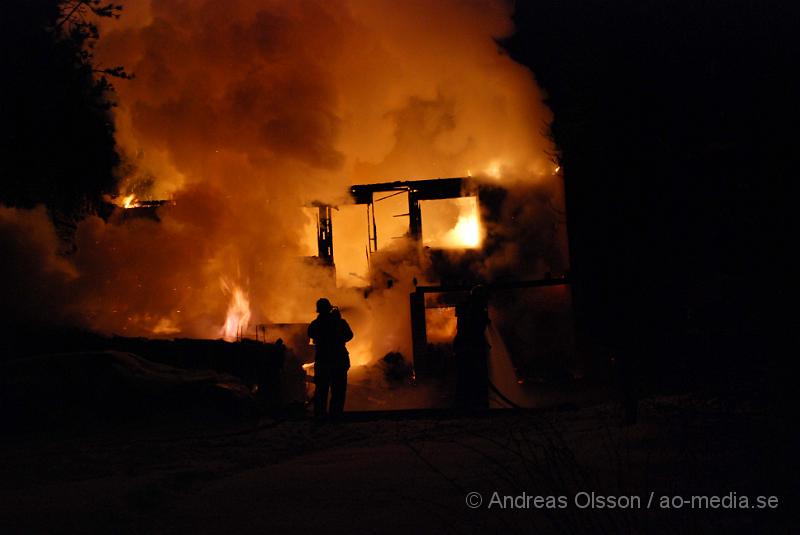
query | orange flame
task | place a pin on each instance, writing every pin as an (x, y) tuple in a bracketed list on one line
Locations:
[(238, 316), (129, 201), (467, 231), (124, 201)]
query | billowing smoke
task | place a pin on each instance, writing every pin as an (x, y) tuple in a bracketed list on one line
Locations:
[(244, 111)]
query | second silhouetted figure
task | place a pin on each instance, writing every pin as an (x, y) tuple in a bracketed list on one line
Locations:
[(330, 332)]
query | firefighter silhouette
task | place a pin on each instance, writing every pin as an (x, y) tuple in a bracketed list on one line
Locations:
[(330, 332), (472, 350)]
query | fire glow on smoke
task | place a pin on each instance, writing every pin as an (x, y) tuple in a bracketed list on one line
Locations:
[(244, 111)]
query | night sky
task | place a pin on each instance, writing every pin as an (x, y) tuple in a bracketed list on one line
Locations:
[(675, 123)]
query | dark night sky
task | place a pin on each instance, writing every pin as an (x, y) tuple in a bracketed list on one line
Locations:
[(675, 124)]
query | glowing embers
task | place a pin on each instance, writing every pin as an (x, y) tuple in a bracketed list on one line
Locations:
[(440, 323), (124, 201), (237, 318), (166, 326), (451, 223), (129, 201)]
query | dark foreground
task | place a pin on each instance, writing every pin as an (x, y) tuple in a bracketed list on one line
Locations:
[(408, 475)]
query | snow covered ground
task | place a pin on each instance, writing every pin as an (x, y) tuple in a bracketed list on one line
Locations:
[(407, 474)]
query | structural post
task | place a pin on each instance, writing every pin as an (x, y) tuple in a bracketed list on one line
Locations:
[(325, 235), (419, 334), (414, 216)]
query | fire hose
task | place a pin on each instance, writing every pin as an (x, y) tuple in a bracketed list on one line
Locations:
[(502, 396)]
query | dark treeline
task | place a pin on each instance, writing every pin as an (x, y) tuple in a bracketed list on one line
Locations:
[(674, 124), (56, 130)]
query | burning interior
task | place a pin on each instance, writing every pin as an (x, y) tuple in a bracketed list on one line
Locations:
[(416, 272), (240, 139)]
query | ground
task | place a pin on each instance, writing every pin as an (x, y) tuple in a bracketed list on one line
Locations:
[(404, 473)]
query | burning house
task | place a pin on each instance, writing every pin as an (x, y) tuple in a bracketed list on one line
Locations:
[(443, 232), (453, 274), (241, 114)]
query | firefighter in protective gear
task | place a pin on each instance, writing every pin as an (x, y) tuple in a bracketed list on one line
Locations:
[(330, 332)]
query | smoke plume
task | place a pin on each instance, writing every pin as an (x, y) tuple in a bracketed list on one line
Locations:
[(242, 112)]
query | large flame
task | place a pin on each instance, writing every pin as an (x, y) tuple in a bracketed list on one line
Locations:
[(124, 201), (237, 318), (467, 232), (129, 201)]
